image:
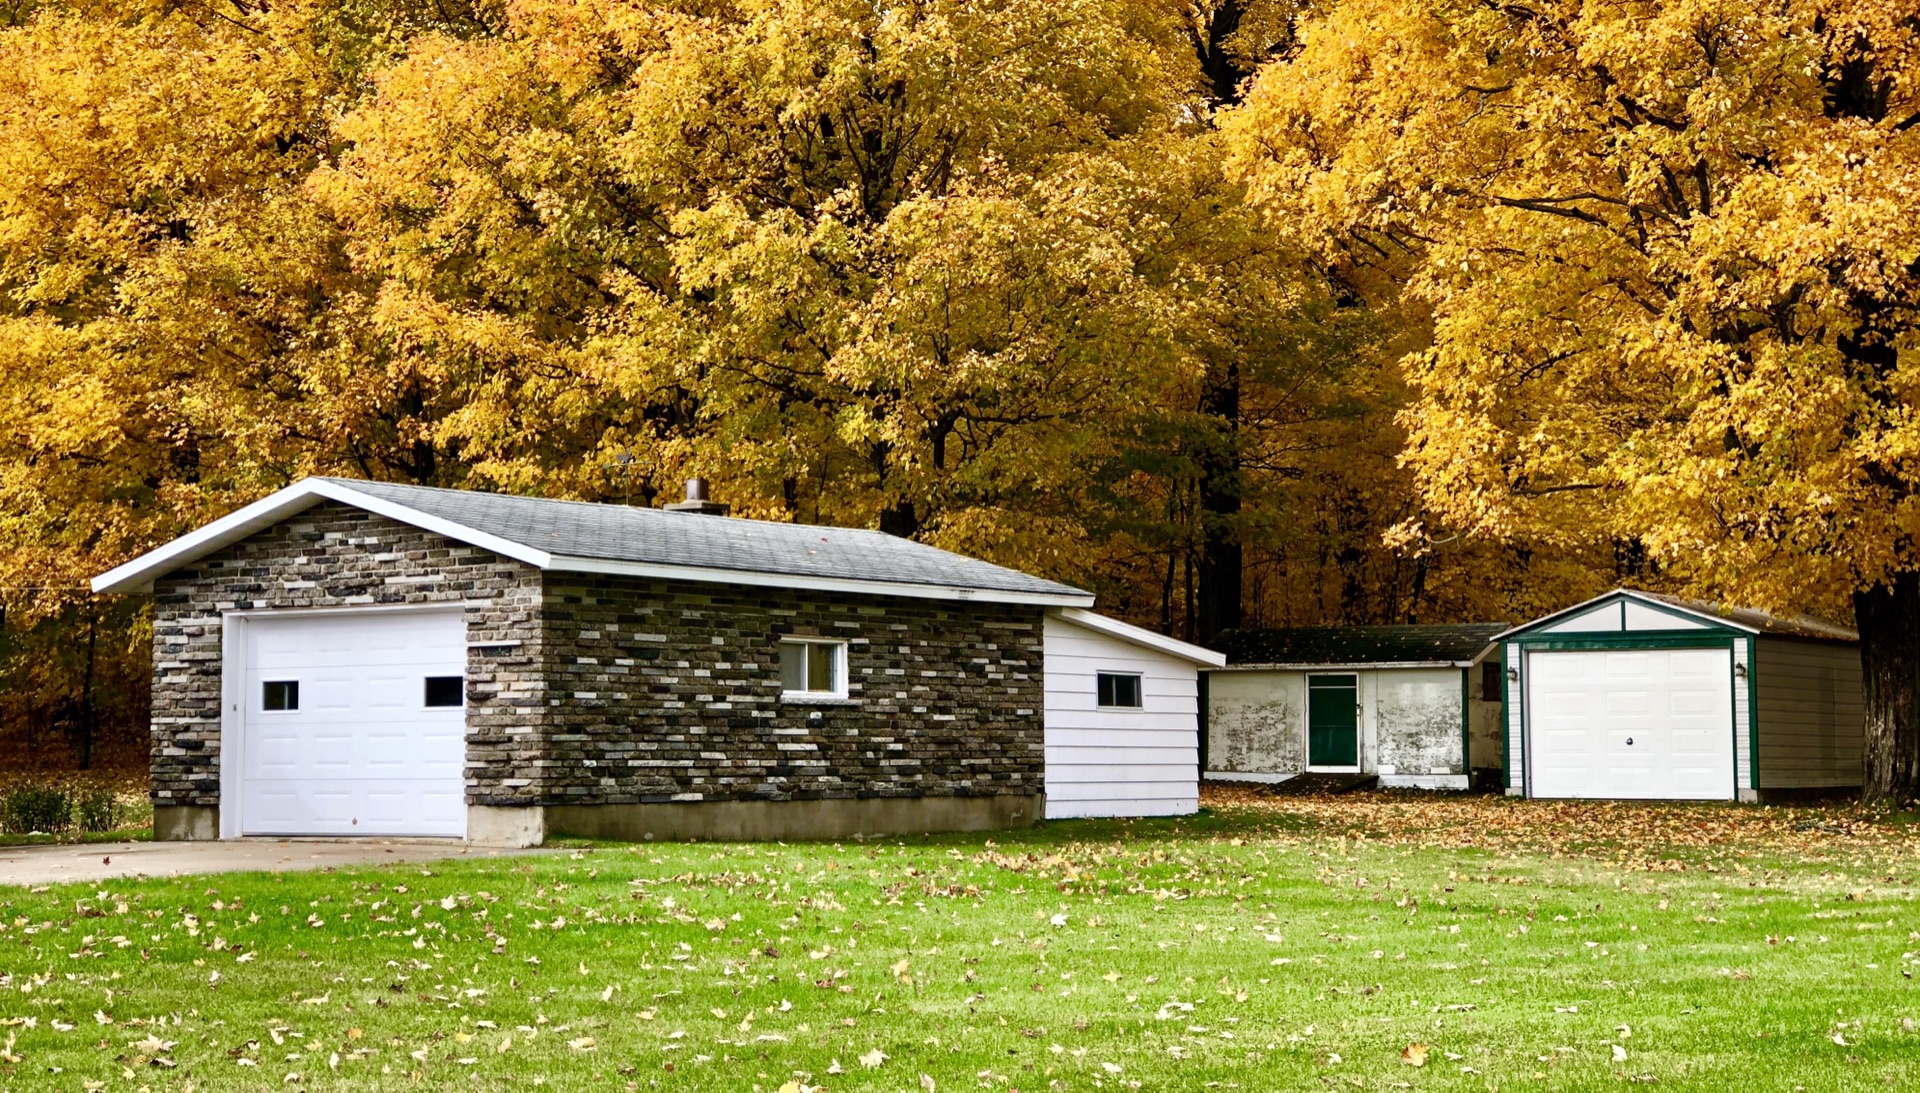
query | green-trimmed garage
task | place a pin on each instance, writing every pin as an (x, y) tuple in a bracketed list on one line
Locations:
[(1639, 696)]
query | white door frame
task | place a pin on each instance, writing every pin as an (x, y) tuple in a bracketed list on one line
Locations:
[(233, 699)]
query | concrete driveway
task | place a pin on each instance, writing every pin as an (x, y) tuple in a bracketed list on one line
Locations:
[(95, 862)]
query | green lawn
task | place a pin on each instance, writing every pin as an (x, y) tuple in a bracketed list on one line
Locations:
[(1266, 945)]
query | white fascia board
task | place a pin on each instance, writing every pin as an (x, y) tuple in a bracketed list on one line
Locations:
[(1623, 593), (1146, 639), (138, 574), (757, 579), (1357, 666)]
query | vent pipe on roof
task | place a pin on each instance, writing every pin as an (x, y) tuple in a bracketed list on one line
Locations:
[(697, 502)]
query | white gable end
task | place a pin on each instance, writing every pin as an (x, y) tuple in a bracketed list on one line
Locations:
[(1639, 616), (1604, 618), (1622, 614)]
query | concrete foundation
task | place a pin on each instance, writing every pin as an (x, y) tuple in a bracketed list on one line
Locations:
[(185, 823), (500, 826), (1424, 781), (756, 821)]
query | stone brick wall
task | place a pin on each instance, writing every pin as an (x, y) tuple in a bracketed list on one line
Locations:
[(336, 556), (667, 691), (605, 690)]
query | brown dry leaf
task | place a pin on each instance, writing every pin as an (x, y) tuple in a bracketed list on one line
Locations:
[(1414, 1055)]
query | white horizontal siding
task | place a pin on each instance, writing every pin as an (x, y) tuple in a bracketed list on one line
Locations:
[(1136, 737), (1812, 714), (1112, 762), (1089, 767)]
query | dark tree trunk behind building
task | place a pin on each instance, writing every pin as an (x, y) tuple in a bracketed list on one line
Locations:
[(1220, 500), (1888, 618)]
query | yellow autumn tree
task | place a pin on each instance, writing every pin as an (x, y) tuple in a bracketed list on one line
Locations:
[(909, 266), (1672, 252), (172, 309)]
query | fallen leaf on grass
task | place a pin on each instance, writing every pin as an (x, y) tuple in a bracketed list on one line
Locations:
[(1414, 1055), (873, 1058)]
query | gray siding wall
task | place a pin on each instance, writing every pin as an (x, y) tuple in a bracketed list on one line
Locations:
[(670, 691), (1812, 722), (336, 556)]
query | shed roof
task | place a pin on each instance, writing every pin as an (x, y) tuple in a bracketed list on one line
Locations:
[(584, 536), (1745, 619), (1144, 638), (1448, 643)]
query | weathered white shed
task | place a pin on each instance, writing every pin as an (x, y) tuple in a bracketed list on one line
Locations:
[(1643, 696), (1413, 706), (1122, 718)]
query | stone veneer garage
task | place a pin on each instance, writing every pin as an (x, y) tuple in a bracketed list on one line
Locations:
[(617, 672)]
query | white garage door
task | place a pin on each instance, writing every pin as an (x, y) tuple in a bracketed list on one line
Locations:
[(355, 725), (1645, 723)]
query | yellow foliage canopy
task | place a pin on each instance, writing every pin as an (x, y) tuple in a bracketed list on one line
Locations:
[(1672, 250)]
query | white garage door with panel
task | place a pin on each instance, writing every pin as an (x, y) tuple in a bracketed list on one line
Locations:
[(354, 724), (1653, 724)]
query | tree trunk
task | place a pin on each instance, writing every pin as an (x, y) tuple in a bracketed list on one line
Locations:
[(84, 748), (1888, 617), (1220, 501)]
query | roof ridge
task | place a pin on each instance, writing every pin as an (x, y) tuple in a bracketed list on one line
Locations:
[(352, 483)]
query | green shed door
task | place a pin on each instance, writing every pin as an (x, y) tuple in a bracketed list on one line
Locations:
[(1333, 721)]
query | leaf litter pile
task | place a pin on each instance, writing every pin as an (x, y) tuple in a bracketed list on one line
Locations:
[(1373, 941)]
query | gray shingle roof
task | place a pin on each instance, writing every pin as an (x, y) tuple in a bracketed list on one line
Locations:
[(1799, 626), (1447, 643), (621, 533)]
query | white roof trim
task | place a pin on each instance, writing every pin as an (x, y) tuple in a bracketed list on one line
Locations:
[(760, 579), (138, 575), (1637, 597), (1356, 666), (1134, 635)]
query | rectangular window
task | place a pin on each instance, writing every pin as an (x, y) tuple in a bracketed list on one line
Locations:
[(1119, 689), (446, 690), (280, 694), (817, 668), (1490, 679)]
